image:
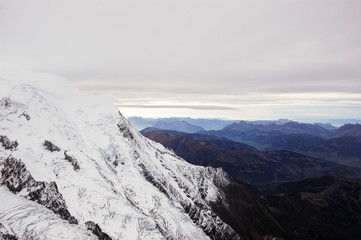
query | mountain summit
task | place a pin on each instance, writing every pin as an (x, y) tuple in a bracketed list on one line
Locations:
[(73, 168)]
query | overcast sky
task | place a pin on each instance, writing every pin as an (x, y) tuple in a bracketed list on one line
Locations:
[(201, 58)]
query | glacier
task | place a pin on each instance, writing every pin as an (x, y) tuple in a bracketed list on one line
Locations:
[(112, 180)]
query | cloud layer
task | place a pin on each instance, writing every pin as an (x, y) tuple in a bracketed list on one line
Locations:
[(235, 59)]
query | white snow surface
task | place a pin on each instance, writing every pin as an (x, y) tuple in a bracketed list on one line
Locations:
[(117, 165), (19, 212)]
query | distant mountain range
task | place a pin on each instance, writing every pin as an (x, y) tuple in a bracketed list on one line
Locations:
[(262, 170), (178, 124), (345, 150), (342, 145), (348, 130), (243, 131), (217, 124), (182, 126)]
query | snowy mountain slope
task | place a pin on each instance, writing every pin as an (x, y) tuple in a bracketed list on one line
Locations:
[(105, 170), (21, 216)]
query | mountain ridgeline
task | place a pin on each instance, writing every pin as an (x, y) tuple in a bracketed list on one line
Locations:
[(263, 170), (179, 124), (340, 145)]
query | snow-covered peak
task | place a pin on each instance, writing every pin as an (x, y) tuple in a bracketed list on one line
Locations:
[(108, 174)]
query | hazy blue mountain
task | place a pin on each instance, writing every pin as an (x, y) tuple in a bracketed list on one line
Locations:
[(255, 134), (269, 122), (327, 126), (340, 122), (140, 123), (208, 124), (334, 122), (178, 125), (340, 146), (345, 150), (279, 129), (351, 130)]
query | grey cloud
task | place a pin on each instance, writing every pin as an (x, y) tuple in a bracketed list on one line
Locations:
[(251, 51), (317, 88), (195, 107)]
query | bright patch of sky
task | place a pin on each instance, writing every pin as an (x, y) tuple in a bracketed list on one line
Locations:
[(205, 58)]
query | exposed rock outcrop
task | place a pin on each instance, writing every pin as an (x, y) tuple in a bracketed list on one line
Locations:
[(51, 146), (97, 231), (17, 179)]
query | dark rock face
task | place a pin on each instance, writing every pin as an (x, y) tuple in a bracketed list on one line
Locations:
[(322, 208), (123, 129), (8, 237), (149, 177), (211, 224), (72, 160), (7, 143), (50, 146), (47, 194), (214, 229), (26, 115), (97, 231), (5, 235), (5, 102), (6, 107), (16, 177)]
